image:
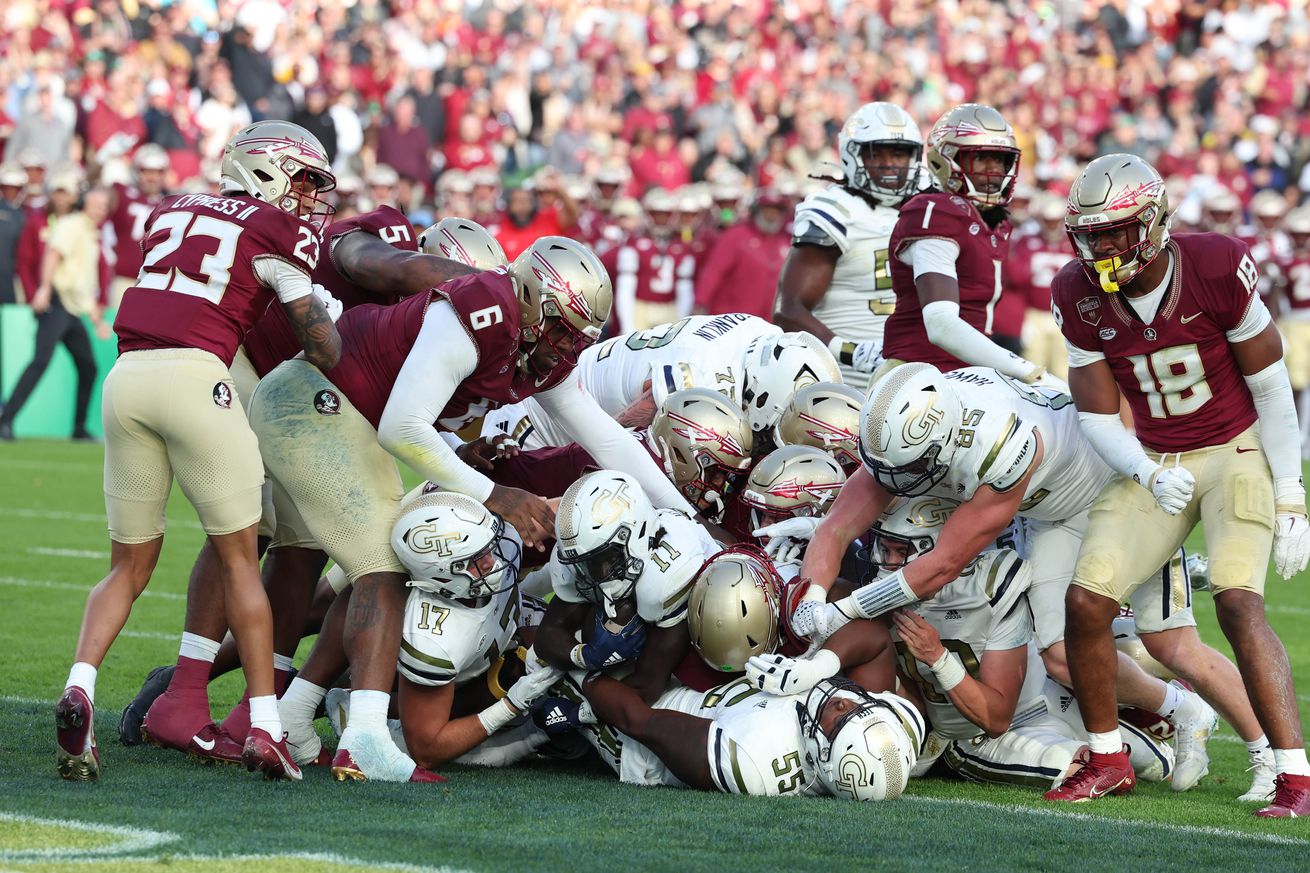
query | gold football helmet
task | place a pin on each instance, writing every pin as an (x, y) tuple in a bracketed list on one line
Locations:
[(824, 415), (263, 159), (953, 145), (557, 277), (1117, 195), (704, 441), (732, 614), (789, 482), (463, 240)]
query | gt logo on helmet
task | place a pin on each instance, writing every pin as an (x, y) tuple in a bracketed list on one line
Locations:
[(425, 539), (919, 426)]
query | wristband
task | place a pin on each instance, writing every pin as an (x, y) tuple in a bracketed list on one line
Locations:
[(1146, 472), (576, 657), (496, 716), (882, 595), (842, 350), (1289, 491), (949, 670), (813, 593)]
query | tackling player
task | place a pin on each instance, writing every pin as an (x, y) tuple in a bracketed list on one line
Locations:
[(1176, 324), (211, 266)]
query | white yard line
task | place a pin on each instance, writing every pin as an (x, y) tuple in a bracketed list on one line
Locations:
[(73, 586), (150, 635), (90, 517), (68, 553), (131, 839)]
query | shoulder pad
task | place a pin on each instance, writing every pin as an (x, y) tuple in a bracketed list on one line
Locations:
[(561, 581), (665, 585), (826, 214)]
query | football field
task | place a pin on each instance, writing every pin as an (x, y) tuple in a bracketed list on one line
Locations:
[(154, 810)]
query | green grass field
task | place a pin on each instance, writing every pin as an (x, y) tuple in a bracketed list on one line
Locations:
[(157, 810)]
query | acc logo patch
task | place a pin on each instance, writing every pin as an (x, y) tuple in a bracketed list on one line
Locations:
[(1089, 310), (223, 395), (1107, 333), (327, 403), (974, 228)]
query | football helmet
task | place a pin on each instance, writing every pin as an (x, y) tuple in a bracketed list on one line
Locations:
[(869, 750), (12, 176), (150, 157), (732, 613), (557, 277), (1297, 225), (1127, 641), (956, 139), (880, 124), (825, 415), (775, 368), (659, 205), (704, 441), (463, 240), (789, 482), (909, 427), (1269, 204), (1221, 210), (455, 547), (907, 530), (263, 159), (603, 531), (1116, 192)]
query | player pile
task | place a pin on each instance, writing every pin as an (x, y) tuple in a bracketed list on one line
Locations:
[(590, 567)]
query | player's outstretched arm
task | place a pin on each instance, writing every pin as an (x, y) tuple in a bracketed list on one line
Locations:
[(805, 277), (681, 741), (858, 505), (555, 636), (314, 330), (664, 650), (377, 266)]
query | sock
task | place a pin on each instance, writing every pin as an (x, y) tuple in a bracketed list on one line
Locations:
[(368, 710), (282, 662), (1173, 698), (83, 675), (198, 648), (1257, 747), (263, 715), (195, 658), (301, 699), (1109, 743), (1291, 762)]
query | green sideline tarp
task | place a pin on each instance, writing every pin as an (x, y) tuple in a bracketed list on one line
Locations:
[(49, 411)]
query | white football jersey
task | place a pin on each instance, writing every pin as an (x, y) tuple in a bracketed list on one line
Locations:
[(444, 641), (755, 742), (860, 297), (986, 608), (665, 582), (998, 442)]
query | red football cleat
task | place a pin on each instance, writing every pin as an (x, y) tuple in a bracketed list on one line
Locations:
[(76, 754), (175, 718), (1100, 775), (237, 723), (1291, 797), (269, 756), (344, 768)]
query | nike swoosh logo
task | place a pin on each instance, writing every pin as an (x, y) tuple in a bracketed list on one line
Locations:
[(207, 745), (1242, 451), (1186, 318)]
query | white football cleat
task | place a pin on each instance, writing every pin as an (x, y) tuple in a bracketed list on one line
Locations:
[(1195, 721), (1262, 779), (302, 740), (372, 756)]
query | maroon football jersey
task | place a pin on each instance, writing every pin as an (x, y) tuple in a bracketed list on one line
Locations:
[(935, 215), (1032, 265), (545, 472), (272, 340), (652, 270), (1178, 373), (131, 211), (197, 287), (376, 340), (1296, 282)]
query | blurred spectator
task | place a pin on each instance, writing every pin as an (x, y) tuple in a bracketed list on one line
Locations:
[(543, 209), (659, 165), (45, 129), (741, 272), (12, 218), (316, 118), (403, 144), (68, 289)]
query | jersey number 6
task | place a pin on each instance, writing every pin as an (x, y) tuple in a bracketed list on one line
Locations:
[(486, 317)]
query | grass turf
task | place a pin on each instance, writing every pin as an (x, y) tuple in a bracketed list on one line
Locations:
[(166, 812)]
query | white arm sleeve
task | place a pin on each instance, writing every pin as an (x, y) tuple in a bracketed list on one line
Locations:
[(625, 286), (685, 289), (287, 282), (948, 331), (1117, 447), (931, 255), (614, 448), (442, 357), (1280, 434)]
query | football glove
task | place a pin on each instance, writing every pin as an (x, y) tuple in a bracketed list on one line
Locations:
[(607, 648), (799, 529), (556, 715), (778, 674), (331, 304), (1172, 488), (816, 621), (1291, 541), (530, 687), (1033, 376)]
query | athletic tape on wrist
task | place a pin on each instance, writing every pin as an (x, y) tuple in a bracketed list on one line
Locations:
[(949, 670), (884, 595), (576, 657), (496, 716)]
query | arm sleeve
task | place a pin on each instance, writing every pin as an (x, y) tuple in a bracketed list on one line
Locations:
[(1280, 434), (685, 287), (931, 255), (625, 286), (948, 331), (1124, 454), (605, 440), (443, 356), (287, 282)]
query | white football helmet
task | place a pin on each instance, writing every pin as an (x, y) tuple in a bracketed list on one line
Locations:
[(824, 415), (869, 750), (776, 367), (907, 530), (455, 547), (791, 482), (732, 613), (263, 159), (603, 531), (880, 124), (463, 240), (911, 420)]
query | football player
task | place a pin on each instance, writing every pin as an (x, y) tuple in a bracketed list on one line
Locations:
[(132, 206), (948, 247), (211, 266), (1176, 325), (1294, 308), (836, 282), (655, 272), (443, 357), (826, 416)]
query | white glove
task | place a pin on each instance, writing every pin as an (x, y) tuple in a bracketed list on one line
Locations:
[(531, 687), (867, 356), (801, 529), (1173, 487), (778, 674), (817, 621), (784, 550), (1033, 376), (330, 303), (1291, 542)]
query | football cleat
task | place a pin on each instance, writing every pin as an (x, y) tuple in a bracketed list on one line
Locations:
[(345, 769), (1291, 797), (129, 723), (302, 740), (76, 754), (212, 744), (367, 755), (175, 718), (1194, 721), (1262, 780), (1100, 775), (269, 756), (237, 722), (337, 704)]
